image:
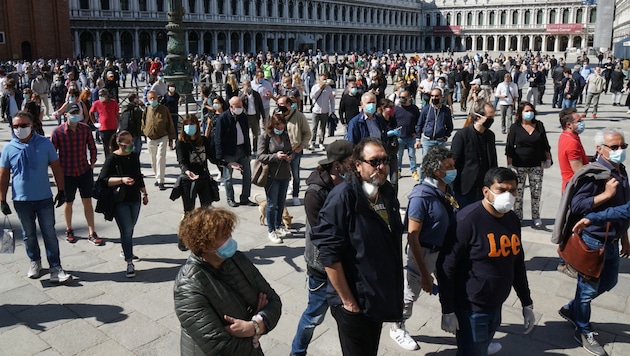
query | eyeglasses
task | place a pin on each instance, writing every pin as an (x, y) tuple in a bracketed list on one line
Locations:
[(22, 126), (376, 162), (616, 147)]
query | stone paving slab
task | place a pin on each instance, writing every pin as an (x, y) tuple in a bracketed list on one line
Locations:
[(103, 313)]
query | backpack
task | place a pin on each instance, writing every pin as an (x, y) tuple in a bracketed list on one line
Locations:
[(600, 84), (130, 120)]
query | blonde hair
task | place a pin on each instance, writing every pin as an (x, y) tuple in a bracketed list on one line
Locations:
[(232, 81)]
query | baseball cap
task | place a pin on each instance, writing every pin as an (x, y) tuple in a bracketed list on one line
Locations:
[(337, 151), (475, 81), (73, 108)]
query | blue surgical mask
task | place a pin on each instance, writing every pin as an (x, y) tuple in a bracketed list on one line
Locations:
[(71, 99), (294, 106), (228, 249), (74, 118), (370, 108), (278, 132), (25, 96), (190, 129), (353, 91), (528, 116), (580, 127), (450, 176), (617, 156), (153, 103)]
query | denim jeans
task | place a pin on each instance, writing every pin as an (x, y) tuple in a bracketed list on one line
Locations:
[(569, 103), (276, 191), (312, 316), (476, 330), (427, 145), (243, 158), (588, 290), (137, 144), (407, 143), (43, 211), (126, 215), (295, 172)]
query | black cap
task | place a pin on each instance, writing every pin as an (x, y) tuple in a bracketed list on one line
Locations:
[(73, 108), (337, 151)]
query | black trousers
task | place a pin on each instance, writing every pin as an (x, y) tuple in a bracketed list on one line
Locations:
[(358, 334)]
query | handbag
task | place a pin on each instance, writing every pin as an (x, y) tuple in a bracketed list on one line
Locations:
[(7, 245), (261, 174), (589, 263)]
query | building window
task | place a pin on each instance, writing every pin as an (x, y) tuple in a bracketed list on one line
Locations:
[(124, 5), (438, 19), (528, 16), (301, 11), (503, 17), (104, 4), (160, 6), (469, 19), (220, 7), (448, 19), (142, 5), (458, 19), (579, 16), (515, 18), (269, 8), (552, 16), (565, 16), (491, 18), (206, 7), (480, 19), (2, 40), (592, 16), (84, 4), (539, 17), (428, 20), (192, 4)]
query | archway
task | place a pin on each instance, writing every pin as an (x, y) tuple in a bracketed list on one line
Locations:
[(551, 43), (193, 42), (525, 43), (479, 43), (513, 43), (502, 43), (537, 43), (247, 42), (221, 42), (564, 43), (162, 39), (490, 43), (107, 44), (577, 42), (126, 44), (427, 44), (207, 42), (145, 44), (235, 45), (437, 43), (259, 42), (469, 43), (27, 52), (86, 41)]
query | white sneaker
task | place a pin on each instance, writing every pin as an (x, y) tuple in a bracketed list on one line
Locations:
[(58, 275), (283, 232), (273, 237), (296, 201), (321, 147), (35, 270), (628, 112), (311, 147), (494, 347), (402, 338)]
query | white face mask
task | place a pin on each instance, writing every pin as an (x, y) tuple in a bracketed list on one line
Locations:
[(237, 111), (22, 132), (370, 189), (502, 202)]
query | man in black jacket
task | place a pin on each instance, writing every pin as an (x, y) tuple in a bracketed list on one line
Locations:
[(253, 108), (331, 171), (557, 75), (365, 274), (478, 266), (349, 104), (232, 145)]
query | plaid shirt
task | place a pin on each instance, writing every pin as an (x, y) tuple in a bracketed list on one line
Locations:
[(71, 147)]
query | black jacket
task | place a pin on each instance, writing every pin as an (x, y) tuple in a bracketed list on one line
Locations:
[(372, 266), (319, 185), (4, 104), (260, 110), (225, 134), (348, 107), (468, 154)]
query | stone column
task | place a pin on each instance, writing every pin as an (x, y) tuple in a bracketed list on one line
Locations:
[(153, 41), (97, 50), (186, 43), (556, 47), (117, 50), (136, 43), (77, 44)]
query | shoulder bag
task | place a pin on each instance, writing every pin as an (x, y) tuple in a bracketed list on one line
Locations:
[(587, 262)]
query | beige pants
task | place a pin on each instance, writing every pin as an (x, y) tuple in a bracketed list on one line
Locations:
[(157, 151)]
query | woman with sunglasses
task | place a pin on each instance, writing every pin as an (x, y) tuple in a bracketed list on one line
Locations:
[(193, 153), (122, 171), (528, 152), (274, 149)]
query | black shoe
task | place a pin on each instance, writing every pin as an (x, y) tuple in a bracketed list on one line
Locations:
[(248, 203), (156, 184), (161, 186), (567, 315), (232, 203)]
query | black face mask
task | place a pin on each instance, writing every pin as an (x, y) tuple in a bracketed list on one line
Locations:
[(435, 101), (489, 121), (403, 100)]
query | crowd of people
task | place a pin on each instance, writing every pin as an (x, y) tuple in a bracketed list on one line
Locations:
[(463, 220)]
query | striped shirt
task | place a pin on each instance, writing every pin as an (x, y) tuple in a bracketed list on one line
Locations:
[(71, 145)]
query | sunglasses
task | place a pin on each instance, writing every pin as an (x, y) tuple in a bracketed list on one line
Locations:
[(377, 161), (22, 126), (616, 147)]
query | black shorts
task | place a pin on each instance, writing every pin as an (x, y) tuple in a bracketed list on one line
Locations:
[(83, 182)]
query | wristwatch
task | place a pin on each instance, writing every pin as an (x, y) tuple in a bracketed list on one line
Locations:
[(256, 327)]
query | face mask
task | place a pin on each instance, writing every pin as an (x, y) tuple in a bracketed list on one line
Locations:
[(353, 91), (389, 111), (403, 100), (228, 249), (22, 132), (580, 127), (72, 87), (25, 96), (441, 85), (617, 156), (502, 202), (450, 176), (153, 103), (216, 106), (101, 98), (171, 89), (58, 82), (489, 121), (39, 77), (74, 118), (71, 99), (528, 116), (370, 108), (160, 78), (285, 86), (430, 76), (293, 106), (128, 148), (370, 189), (249, 90), (435, 101), (278, 132), (190, 129), (237, 111)]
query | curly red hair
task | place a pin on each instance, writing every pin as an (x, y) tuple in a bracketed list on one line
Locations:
[(200, 228)]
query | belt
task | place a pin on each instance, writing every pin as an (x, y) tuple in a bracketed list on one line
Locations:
[(432, 248)]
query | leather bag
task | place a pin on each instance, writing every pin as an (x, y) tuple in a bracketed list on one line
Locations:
[(589, 263), (261, 174)]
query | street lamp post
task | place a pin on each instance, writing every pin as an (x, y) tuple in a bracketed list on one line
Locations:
[(177, 69)]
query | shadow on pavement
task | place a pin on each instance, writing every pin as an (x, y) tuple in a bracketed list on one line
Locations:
[(263, 256), (155, 239), (144, 274), (36, 315)]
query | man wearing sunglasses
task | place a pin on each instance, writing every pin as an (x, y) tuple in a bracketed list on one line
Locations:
[(27, 157), (435, 124), (591, 195), (359, 236)]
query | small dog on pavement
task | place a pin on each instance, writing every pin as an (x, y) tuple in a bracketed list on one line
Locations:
[(287, 219)]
